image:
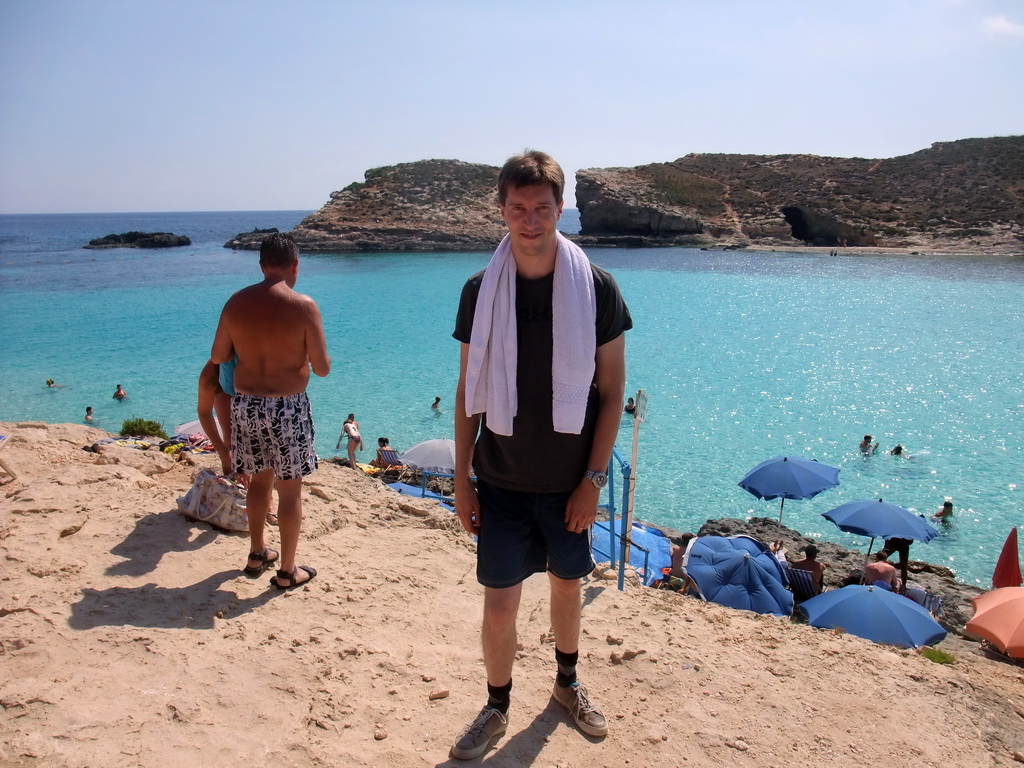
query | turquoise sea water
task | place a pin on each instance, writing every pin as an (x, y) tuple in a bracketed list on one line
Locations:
[(745, 355)]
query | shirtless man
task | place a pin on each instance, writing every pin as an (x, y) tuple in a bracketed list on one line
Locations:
[(811, 564), (881, 570), (277, 336)]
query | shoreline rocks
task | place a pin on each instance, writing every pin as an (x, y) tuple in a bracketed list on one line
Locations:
[(843, 566)]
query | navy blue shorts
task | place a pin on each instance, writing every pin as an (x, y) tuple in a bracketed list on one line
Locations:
[(523, 533)]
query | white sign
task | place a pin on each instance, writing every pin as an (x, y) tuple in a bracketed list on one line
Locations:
[(641, 405)]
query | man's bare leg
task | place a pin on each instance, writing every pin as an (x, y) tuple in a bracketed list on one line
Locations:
[(566, 604), (501, 606), (566, 598), (257, 504), (289, 521)]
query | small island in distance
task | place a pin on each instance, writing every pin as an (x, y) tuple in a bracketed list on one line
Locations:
[(139, 240), (959, 197)]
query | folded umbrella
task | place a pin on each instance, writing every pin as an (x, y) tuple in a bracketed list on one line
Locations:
[(875, 614), (1007, 572)]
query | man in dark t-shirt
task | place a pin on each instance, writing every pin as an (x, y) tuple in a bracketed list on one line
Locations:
[(537, 411)]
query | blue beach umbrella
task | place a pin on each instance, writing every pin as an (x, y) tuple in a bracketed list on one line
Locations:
[(738, 572), (875, 614), (880, 520), (789, 477)]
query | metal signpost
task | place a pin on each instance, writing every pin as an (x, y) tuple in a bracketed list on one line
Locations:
[(640, 414)]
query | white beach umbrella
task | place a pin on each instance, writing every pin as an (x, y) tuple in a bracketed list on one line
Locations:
[(432, 456)]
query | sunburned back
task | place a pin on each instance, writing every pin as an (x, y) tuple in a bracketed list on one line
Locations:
[(879, 571), (268, 325)]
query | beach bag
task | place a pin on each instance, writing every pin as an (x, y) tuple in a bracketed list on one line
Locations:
[(215, 500)]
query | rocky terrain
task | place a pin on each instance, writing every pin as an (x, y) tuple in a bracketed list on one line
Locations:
[(961, 197), (430, 205), (130, 636), (139, 240)]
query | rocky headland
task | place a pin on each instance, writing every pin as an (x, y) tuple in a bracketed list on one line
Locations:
[(959, 197), (430, 205), (140, 240)]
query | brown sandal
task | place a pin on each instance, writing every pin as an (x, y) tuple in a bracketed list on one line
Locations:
[(265, 561), (285, 580)]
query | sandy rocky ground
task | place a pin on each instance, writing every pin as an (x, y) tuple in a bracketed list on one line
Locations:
[(129, 636)]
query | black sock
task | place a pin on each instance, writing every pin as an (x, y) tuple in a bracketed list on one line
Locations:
[(566, 667), (499, 696)]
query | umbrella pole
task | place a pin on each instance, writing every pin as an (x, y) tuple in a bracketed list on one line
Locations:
[(780, 513)]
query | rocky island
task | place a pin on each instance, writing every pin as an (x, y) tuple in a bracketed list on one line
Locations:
[(140, 240), (430, 205), (962, 197)]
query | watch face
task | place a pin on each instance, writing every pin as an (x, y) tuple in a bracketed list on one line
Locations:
[(600, 479)]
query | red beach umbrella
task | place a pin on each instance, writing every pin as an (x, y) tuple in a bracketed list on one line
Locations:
[(1007, 572)]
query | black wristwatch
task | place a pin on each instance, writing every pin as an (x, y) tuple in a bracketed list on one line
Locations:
[(599, 479)]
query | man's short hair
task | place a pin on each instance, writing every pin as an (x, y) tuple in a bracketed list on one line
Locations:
[(531, 167), (882, 554), (811, 551), (278, 250)]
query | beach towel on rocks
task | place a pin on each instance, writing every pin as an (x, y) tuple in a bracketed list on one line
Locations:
[(215, 500)]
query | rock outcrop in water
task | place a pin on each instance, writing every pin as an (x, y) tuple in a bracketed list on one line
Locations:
[(962, 196), (140, 240), (430, 205)]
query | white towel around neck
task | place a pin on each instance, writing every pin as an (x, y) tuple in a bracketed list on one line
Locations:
[(493, 349)]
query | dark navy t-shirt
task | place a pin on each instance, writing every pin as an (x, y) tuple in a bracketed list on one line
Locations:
[(534, 457)]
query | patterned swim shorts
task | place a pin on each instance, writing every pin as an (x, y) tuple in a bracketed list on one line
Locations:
[(273, 433)]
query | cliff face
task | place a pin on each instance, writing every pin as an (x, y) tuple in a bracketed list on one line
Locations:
[(964, 195), (430, 205)]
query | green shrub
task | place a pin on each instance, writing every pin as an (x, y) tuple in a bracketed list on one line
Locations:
[(142, 428), (939, 657)]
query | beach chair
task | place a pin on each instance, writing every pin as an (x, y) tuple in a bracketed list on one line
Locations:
[(389, 460), (4, 465), (933, 604), (802, 584)]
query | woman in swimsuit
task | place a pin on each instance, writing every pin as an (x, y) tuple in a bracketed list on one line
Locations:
[(350, 429)]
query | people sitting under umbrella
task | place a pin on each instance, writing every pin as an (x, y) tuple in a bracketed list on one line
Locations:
[(811, 564), (881, 573)]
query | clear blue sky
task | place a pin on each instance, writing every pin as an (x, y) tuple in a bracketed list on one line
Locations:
[(122, 105)]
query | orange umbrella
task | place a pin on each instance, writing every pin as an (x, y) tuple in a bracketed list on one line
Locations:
[(999, 618), (1007, 572)]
